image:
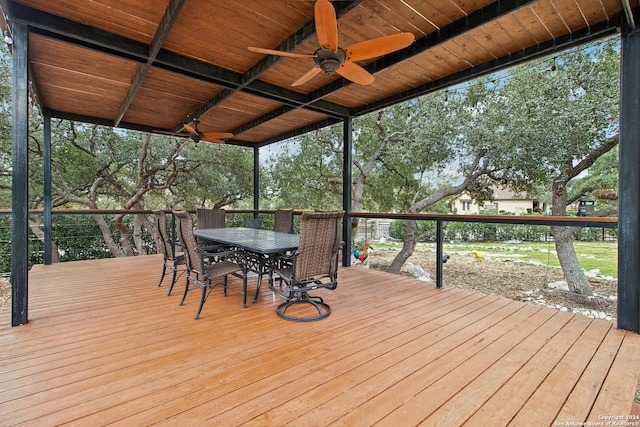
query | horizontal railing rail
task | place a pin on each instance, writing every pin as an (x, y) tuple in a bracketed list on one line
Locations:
[(439, 219)]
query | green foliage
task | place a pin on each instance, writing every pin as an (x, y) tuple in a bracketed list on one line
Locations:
[(78, 237), (544, 119), (214, 176), (304, 172)]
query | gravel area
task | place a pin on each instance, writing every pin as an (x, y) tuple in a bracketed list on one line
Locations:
[(516, 280)]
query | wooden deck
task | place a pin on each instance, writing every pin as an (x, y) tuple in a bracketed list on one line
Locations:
[(106, 346)]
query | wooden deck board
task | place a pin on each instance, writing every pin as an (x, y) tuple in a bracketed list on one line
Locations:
[(105, 345)]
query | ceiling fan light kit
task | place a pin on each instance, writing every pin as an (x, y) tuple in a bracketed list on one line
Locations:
[(328, 60)]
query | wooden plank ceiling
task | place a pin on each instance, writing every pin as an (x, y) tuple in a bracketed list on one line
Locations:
[(150, 65)]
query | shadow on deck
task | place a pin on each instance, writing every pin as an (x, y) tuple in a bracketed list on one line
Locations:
[(105, 345)]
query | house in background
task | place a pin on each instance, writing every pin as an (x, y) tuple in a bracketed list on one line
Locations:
[(504, 201)]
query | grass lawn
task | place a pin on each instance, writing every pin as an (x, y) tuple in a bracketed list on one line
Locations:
[(601, 256)]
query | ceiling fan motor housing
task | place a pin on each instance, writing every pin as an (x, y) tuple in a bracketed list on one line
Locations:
[(328, 60)]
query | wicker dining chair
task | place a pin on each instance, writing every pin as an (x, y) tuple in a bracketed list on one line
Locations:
[(313, 266), (283, 221), (253, 223), (210, 218), (173, 261), (206, 264)]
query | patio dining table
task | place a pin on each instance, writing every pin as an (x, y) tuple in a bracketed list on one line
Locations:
[(259, 247)]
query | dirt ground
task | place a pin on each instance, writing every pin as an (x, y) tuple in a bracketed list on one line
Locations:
[(514, 280)]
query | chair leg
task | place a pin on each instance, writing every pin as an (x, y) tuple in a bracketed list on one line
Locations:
[(255, 298), (164, 271), (173, 278), (173, 282), (186, 289), (203, 298), (244, 290)]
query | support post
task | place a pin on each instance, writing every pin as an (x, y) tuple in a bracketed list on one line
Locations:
[(347, 162), (47, 188), (256, 180), (20, 178), (629, 184)]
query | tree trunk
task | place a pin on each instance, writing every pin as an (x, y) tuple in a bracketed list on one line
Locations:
[(573, 274), (37, 231), (137, 235), (125, 238), (563, 238), (108, 238), (408, 246)]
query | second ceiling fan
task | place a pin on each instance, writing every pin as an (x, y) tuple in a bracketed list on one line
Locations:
[(330, 58), (197, 135)]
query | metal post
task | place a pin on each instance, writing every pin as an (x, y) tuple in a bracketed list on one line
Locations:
[(347, 161), (256, 180), (439, 254), (47, 187), (20, 178), (629, 184)]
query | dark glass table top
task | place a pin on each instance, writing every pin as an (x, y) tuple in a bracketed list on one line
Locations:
[(252, 239)]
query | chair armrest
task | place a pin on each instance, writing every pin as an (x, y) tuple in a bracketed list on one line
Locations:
[(289, 256), (212, 251), (211, 248)]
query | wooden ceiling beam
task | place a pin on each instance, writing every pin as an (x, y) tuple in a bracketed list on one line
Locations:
[(169, 17), (72, 32), (300, 131)]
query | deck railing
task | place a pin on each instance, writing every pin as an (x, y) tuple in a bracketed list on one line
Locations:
[(80, 239), (441, 219)]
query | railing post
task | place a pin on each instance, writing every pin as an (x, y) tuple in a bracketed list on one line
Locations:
[(439, 253)]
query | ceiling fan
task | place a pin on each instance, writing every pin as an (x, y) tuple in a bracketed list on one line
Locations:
[(196, 135), (330, 58)]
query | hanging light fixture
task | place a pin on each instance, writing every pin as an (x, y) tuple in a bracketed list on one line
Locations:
[(8, 39)]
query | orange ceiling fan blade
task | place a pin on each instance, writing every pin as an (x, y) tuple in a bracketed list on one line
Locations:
[(308, 76), (355, 73), (378, 47), (281, 53), (190, 128), (326, 25), (216, 135), (213, 141)]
